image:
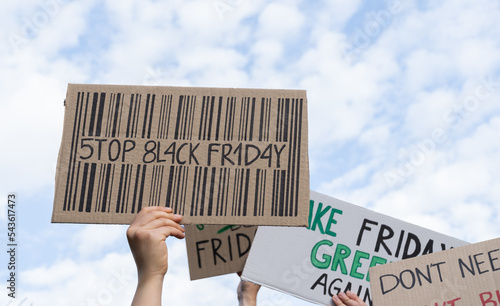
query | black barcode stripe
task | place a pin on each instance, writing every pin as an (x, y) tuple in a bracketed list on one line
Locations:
[(93, 114), (99, 188), (184, 189), (263, 193), (192, 110), (117, 118), (196, 185), (168, 200), (84, 186), (136, 187), (218, 192), (268, 120), (223, 193), (289, 183), (179, 116), (273, 196), (203, 191), (126, 188), (230, 125), (185, 116), (85, 114), (178, 188), (107, 187), (235, 192), (164, 120), (187, 122), (76, 187), (211, 193), (240, 125), (202, 119), (107, 131), (227, 190), (161, 119), (153, 185), (210, 123), (120, 189), (137, 111), (252, 118), (129, 187), (299, 141), (278, 121), (146, 116), (100, 114), (247, 184), (247, 110), (159, 189), (256, 205), (129, 120), (281, 189), (72, 158), (226, 120), (90, 194), (151, 112), (293, 153), (240, 191), (141, 192), (287, 115), (219, 111)]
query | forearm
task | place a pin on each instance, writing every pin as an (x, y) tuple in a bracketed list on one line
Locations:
[(148, 292), (247, 301)]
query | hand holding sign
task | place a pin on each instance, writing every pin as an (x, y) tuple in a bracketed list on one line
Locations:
[(347, 299), (146, 237)]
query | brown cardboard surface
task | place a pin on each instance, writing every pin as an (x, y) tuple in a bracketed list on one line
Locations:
[(217, 249), (214, 155), (463, 276)]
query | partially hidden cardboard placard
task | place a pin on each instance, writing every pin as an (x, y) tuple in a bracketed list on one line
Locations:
[(334, 252), (464, 276), (214, 155), (217, 249)]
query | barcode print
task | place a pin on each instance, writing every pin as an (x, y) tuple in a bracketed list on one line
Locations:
[(185, 118), (213, 191), (164, 118), (286, 183)]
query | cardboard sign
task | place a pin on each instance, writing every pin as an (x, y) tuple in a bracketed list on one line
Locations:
[(217, 249), (214, 155), (464, 276), (334, 252)]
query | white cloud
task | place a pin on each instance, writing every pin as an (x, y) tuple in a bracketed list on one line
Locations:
[(372, 113)]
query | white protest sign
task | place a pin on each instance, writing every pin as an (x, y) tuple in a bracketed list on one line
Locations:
[(336, 250)]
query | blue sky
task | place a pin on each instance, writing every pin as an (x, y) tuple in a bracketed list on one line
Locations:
[(404, 115)]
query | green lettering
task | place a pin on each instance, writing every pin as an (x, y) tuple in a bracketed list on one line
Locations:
[(317, 218), (341, 253), (331, 221), (327, 258), (356, 264), (375, 261), (311, 207)]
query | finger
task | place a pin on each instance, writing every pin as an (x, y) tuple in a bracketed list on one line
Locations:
[(150, 215), (337, 301), (168, 231), (354, 297), (145, 211), (170, 220), (345, 299)]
